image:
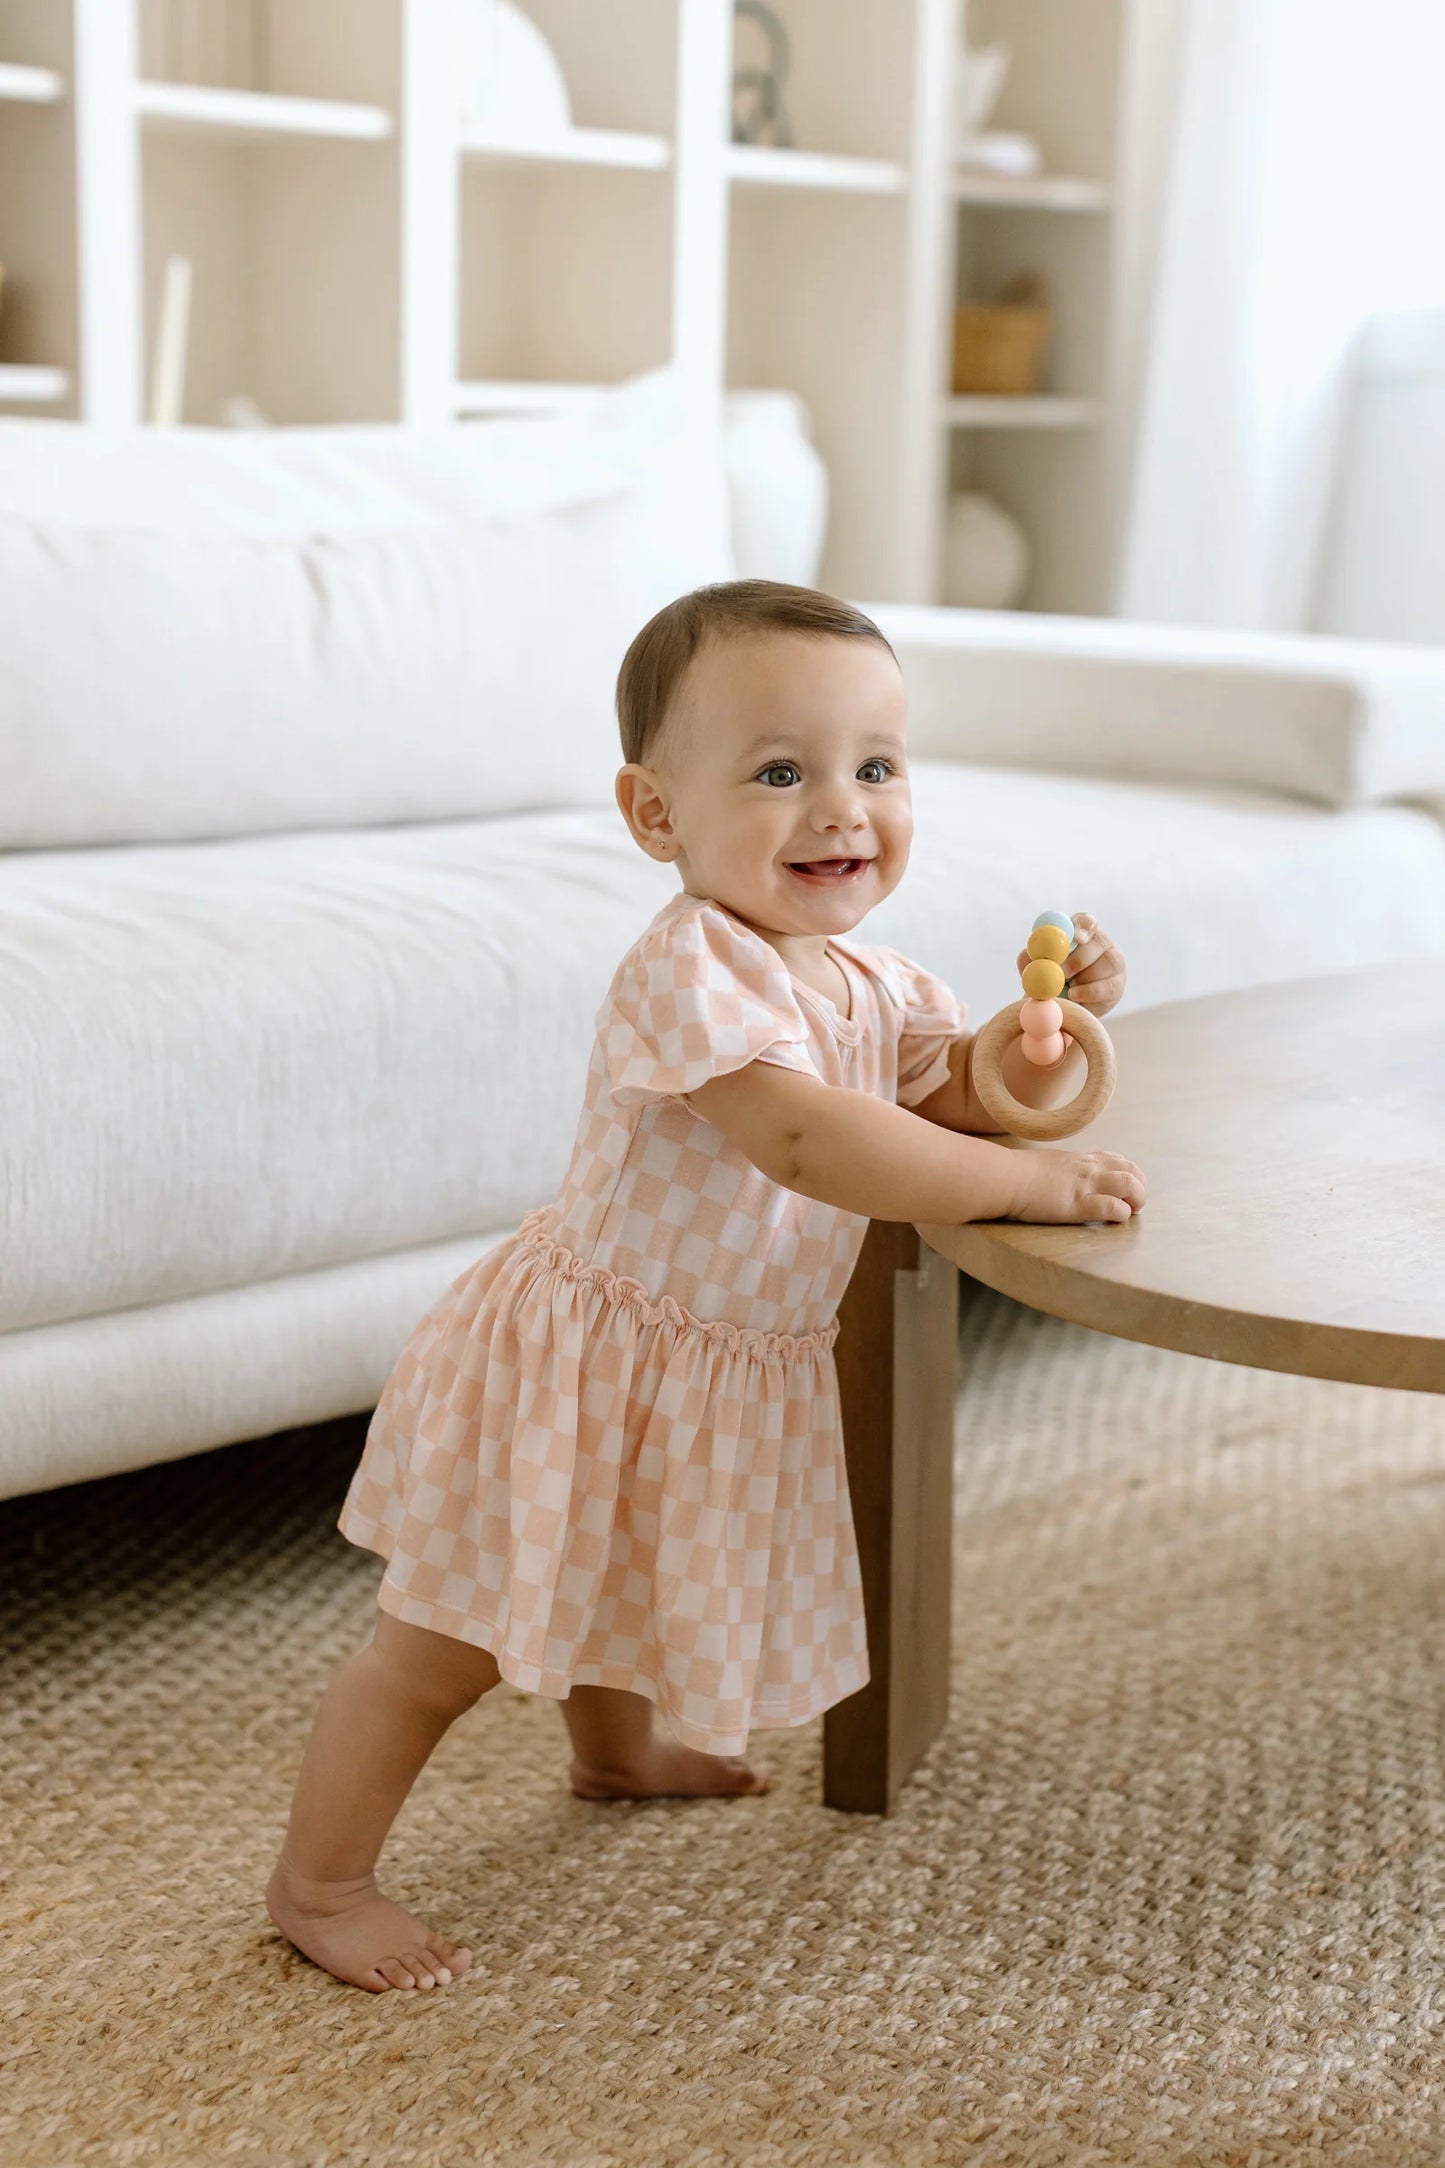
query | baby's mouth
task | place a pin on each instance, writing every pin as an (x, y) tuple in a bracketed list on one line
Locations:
[(829, 872)]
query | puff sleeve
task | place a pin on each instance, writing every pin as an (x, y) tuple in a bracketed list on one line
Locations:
[(929, 1017), (699, 996)]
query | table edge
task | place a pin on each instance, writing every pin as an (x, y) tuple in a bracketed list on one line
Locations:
[(1342, 1354)]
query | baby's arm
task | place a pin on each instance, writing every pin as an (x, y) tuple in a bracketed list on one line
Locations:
[(850, 1149)]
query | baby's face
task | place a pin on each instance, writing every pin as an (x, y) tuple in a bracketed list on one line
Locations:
[(784, 770)]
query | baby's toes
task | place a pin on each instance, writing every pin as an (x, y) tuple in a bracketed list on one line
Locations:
[(396, 1974), (421, 1965), (445, 1956)]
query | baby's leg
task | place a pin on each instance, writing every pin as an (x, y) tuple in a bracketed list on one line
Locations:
[(618, 1754), (378, 1722)]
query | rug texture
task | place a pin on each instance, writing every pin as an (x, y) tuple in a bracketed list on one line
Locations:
[(1168, 1890)]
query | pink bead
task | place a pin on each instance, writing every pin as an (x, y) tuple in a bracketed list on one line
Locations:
[(1040, 1019), (1044, 1052)]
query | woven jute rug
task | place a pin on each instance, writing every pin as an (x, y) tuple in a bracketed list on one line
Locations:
[(1167, 1891)]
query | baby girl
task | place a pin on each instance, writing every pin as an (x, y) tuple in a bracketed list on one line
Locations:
[(608, 1466)]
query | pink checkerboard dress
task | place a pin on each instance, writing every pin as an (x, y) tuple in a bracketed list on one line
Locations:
[(612, 1452)]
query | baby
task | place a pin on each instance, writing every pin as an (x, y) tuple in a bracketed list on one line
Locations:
[(608, 1466)]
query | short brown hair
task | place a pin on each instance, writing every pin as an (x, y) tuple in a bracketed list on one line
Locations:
[(654, 665)]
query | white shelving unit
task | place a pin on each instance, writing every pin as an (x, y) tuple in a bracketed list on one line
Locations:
[(755, 166), (359, 253), (1037, 192), (30, 386), (198, 108), (29, 86), (578, 147)]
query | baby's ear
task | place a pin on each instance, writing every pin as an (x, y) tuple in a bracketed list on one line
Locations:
[(643, 807)]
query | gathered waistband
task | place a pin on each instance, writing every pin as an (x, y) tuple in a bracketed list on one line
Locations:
[(745, 1340)]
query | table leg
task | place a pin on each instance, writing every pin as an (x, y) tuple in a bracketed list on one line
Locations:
[(897, 1357)]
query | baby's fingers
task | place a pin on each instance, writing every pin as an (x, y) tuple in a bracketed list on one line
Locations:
[(1106, 1207), (1119, 1177)]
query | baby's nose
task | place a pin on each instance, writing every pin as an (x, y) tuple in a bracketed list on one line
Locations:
[(841, 807)]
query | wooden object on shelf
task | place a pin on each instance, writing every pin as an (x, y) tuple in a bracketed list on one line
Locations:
[(1000, 348)]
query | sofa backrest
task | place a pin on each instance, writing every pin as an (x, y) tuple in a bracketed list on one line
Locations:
[(208, 633)]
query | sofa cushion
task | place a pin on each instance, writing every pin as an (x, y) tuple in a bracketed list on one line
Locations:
[(223, 1063), (358, 478), (1344, 722), (457, 660)]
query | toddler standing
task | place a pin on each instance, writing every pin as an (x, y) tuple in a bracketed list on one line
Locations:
[(608, 1466)]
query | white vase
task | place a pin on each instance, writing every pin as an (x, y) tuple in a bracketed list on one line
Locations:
[(512, 87), (777, 487), (987, 559)]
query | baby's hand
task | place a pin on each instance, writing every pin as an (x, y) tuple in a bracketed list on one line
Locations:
[(1060, 1189), (1095, 969)]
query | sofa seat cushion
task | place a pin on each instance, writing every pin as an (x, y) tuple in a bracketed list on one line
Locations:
[(222, 1063)]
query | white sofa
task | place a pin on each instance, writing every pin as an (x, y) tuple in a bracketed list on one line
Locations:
[(310, 879)]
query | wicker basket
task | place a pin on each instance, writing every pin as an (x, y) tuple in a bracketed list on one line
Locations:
[(1000, 347)]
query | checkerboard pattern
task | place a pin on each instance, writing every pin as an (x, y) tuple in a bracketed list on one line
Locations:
[(611, 1454)]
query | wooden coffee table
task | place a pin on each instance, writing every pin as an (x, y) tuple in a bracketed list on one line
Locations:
[(1294, 1142)]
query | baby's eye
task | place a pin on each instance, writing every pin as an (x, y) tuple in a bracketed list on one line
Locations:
[(778, 774), (875, 771)]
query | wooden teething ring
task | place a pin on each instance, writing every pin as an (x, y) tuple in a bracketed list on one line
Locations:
[(1043, 1127)]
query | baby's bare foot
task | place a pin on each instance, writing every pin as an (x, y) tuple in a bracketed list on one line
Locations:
[(350, 1929), (667, 1770)]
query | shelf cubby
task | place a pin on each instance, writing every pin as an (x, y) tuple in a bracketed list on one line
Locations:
[(564, 274), (848, 88), (39, 315), (1044, 457), (619, 61), (830, 335)]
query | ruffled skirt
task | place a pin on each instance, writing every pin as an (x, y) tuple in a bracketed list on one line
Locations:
[(604, 1490)]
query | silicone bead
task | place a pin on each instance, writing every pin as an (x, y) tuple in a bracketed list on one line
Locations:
[(1055, 918), (1042, 980), (1040, 1019), (1044, 1052), (1049, 942)]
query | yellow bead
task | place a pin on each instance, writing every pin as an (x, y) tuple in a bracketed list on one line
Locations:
[(1043, 980), (1049, 943)]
